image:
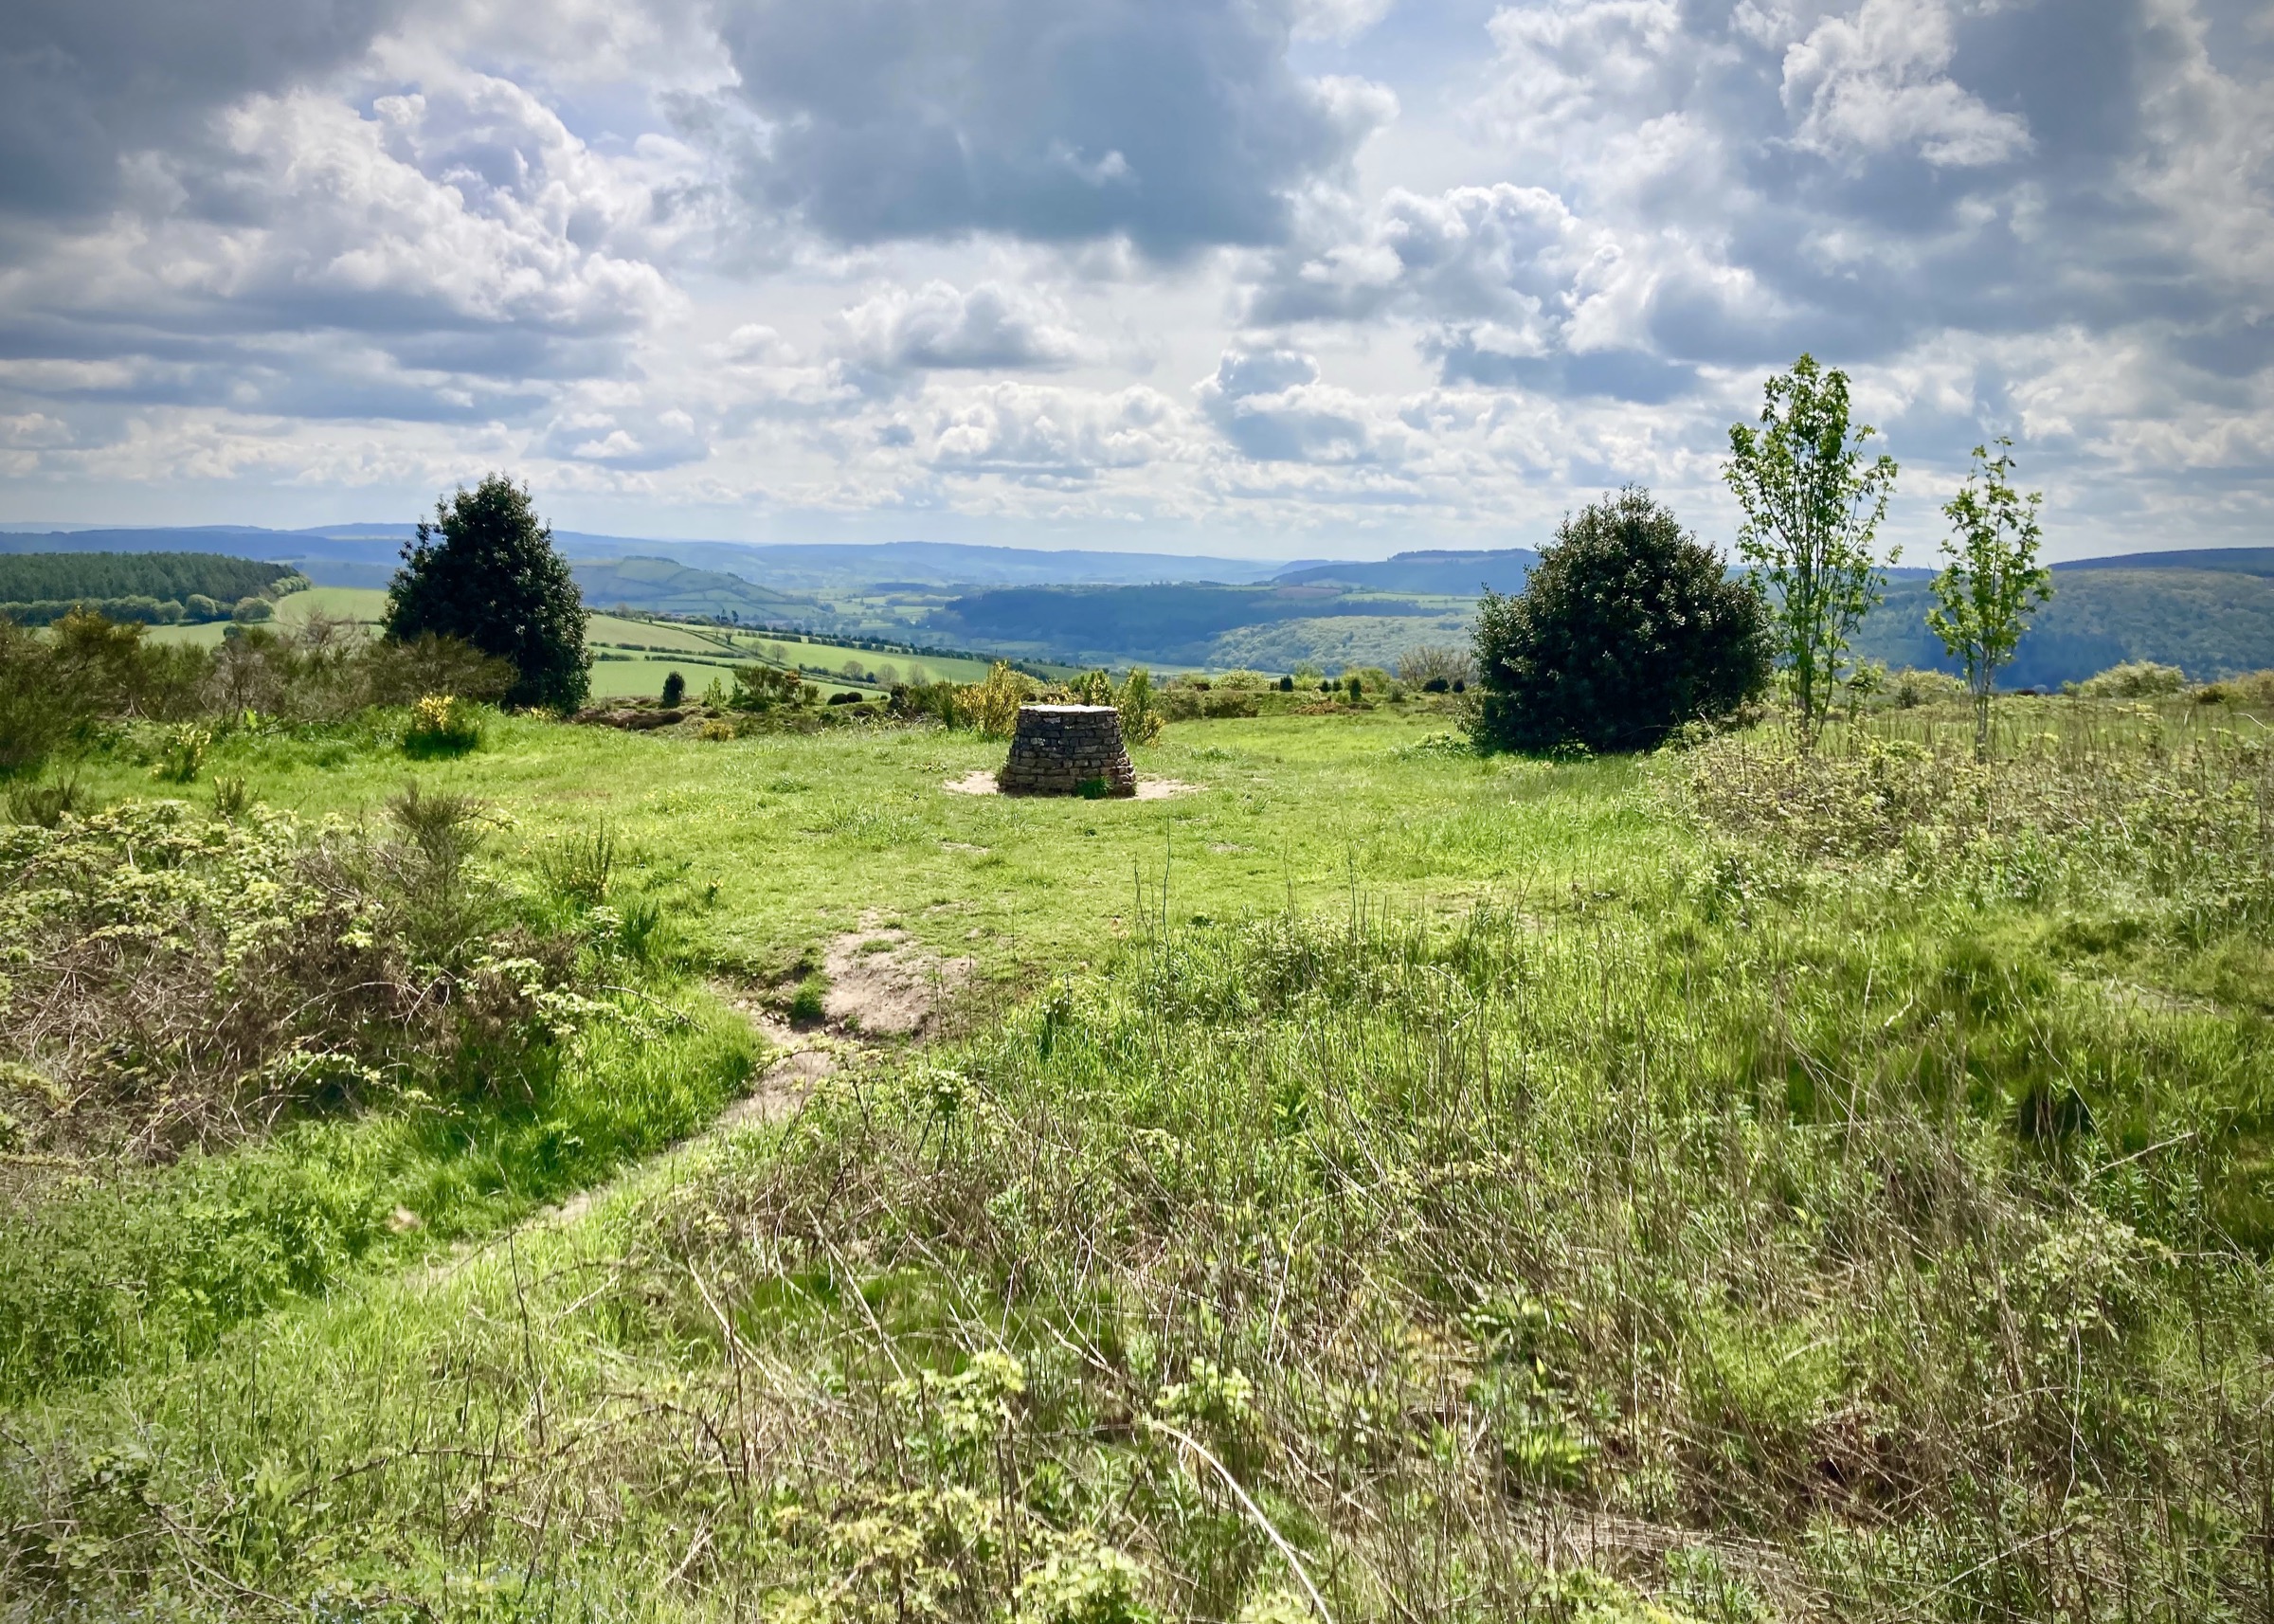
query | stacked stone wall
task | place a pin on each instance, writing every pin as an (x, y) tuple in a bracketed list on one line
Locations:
[(1059, 749)]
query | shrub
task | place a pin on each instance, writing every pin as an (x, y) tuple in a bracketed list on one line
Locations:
[(37, 711), (1627, 628), (2134, 680), (182, 754), (441, 725), (1912, 689), (577, 868), (275, 967), (992, 706), (1091, 688), (251, 610), (1433, 662), (2253, 688), (1287, 685), (43, 805), (485, 570), (675, 690), (1141, 716), (768, 688)]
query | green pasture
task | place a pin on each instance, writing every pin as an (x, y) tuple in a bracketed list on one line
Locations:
[(803, 837)]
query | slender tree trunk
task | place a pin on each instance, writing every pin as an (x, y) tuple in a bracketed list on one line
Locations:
[(1981, 721)]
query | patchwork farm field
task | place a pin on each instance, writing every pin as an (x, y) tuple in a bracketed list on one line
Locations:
[(1365, 1180)]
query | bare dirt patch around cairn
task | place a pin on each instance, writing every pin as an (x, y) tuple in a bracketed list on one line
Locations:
[(883, 985), (983, 783)]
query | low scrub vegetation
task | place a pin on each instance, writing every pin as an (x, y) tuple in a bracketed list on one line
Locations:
[(59, 691)]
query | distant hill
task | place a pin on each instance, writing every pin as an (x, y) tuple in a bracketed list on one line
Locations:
[(2210, 611), (1173, 623), (1430, 574), (2223, 560), (2209, 622), (659, 585)]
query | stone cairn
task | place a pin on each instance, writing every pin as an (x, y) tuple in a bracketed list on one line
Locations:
[(1059, 749)]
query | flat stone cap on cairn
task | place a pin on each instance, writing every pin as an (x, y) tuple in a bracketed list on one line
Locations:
[(1059, 749)]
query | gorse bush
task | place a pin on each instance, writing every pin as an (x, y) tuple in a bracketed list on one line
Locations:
[(441, 725), (184, 981), (1142, 718), (2134, 680), (1627, 628), (992, 706), (674, 688)]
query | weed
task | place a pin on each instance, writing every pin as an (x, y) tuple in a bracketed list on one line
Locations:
[(230, 797), (577, 868)]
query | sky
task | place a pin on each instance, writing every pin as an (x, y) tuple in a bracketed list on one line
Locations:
[(1272, 278)]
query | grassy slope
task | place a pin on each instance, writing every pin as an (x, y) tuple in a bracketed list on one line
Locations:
[(1669, 1202)]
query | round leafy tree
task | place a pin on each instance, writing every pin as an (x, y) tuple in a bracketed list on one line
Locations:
[(485, 571), (1627, 628)]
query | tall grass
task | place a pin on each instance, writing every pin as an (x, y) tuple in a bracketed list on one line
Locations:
[(1817, 1251)]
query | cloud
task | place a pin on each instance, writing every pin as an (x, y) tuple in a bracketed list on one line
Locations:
[(1034, 434), (85, 83), (433, 257), (1177, 123), (937, 326), (1877, 81), (626, 438), (1272, 407)]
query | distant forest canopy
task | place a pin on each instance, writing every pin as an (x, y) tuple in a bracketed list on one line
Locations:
[(37, 587), (1432, 573), (1166, 623), (665, 587), (2209, 624)]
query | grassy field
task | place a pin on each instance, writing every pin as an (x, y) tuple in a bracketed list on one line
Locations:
[(359, 603), (1375, 1182), (834, 657)]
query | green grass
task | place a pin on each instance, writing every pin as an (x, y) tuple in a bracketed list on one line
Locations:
[(1751, 1190), (803, 837)]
